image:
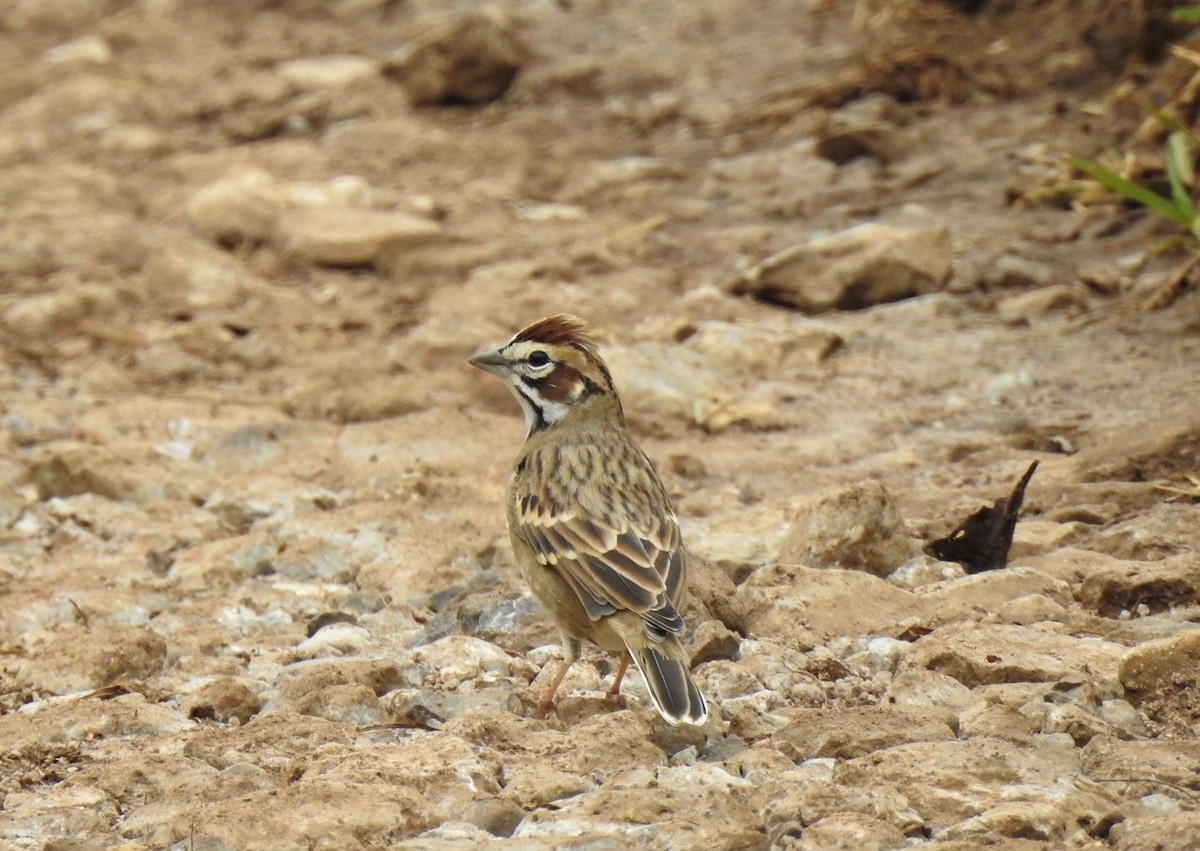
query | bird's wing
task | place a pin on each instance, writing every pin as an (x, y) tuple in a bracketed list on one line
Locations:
[(613, 539)]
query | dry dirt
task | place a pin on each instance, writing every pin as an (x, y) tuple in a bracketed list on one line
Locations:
[(255, 589)]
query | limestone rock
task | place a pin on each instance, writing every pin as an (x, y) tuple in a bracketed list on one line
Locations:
[(933, 693), (867, 265), (950, 781), (790, 602), (990, 591), (320, 72), (978, 654), (466, 58), (223, 699), (1172, 761), (1140, 588), (91, 658), (1152, 832), (243, 207), (1142, 451), (857, 528), (344, 236), (1162, 679), (858, 731), (849, 832)]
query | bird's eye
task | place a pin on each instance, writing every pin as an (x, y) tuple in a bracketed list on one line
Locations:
[(538, 358)]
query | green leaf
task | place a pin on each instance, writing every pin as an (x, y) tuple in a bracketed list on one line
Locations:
[(1134, 192), (1186, 14), (1172, 123), (1180, 172)]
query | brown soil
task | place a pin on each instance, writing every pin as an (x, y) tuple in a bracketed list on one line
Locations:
[(241, 273)]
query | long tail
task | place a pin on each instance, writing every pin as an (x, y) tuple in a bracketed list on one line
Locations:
[(671, 687)]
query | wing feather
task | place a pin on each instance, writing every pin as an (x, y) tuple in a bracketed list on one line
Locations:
[(616, 555)]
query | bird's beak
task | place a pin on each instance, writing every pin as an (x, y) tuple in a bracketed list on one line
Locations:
[(493, 362)]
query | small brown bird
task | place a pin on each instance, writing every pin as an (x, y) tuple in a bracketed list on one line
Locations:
[(591, 524)]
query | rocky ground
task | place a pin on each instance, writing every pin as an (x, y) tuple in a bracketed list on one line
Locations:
[(255, 586)]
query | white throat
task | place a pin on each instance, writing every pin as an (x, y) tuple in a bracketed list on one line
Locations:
[(539, 411)]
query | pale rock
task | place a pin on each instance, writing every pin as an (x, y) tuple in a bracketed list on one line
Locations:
[(1156, 832), (243, 207), (85, 50), (290, 816), (54, 14), (1137, 452), (890, 650), (800, 602), (549, 212), (1074, 566), (809, 797), (986, 592), (1031, 609), (457, 659), (59, 810), (380, 675), (346, 190), (978, 654), (741, 177), (460, 58), (627, 171), (418, 707), (448, 836), (856, 528), (937, 694), (700, 806), (326, 72), (223, 562), (1162, 679), (1123, 718), (1081, 725), (762, 352), (753, 717), (1013, 271), (81, 717), (715, 411), (78, 659), (1013, 820), (1159, 804), (197, 276), (1123, 587), (736, 547), (347, 236), (722, 680), (135, 140), (1024, 307), (349, 703), (712, 640), (923, 570), (245, 500), (224, 699), (853, 732), (866, 265), (336, 640), (847, 832), (60, 313), (951, 781)]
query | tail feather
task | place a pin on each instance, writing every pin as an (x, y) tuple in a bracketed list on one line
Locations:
[(674, 692)]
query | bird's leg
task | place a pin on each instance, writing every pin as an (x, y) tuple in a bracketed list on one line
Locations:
[(615, 691), (571, 650)]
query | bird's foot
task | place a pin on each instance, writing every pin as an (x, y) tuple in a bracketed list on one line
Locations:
[(616, 700), (545, 708)]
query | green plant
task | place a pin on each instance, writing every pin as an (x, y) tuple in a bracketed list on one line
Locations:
[(1186, 14), (1179, 155)]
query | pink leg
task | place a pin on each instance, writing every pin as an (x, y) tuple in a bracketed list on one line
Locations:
[(621, 669), (570, 654)]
